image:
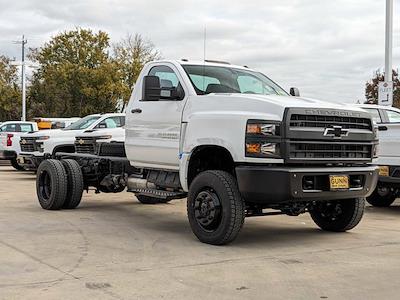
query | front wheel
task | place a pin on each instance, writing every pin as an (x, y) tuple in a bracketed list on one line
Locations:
[(16, 165), (215, 208), (338, 216), (382, 197)]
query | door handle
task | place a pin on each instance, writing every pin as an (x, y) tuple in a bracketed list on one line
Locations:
[(136, 111), (382, 128)]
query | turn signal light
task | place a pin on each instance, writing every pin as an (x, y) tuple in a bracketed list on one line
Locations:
[(253, 148)]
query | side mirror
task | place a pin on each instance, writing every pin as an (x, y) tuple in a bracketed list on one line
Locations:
[(102, 125), (294, 92), (151, 88)]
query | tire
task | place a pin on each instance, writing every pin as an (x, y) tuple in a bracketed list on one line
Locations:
[(16, 165), (150, 200), (51, 184), (381, 197), (338, 216), (215, 208), (75, 183)]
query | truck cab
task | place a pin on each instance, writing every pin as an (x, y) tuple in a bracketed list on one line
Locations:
[(236, 145)]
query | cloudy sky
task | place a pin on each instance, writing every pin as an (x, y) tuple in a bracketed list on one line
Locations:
[(328, 49)]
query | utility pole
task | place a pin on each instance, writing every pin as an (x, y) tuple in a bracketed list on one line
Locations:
[(23, 42)]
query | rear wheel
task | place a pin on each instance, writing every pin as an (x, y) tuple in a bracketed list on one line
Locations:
[(16, 165), (75, 183), (51, 184), (215, 208), (150, 200), (338, 216), (382, 197)]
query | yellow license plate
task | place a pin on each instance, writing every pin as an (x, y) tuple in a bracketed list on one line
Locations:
[(383, 171), (339, 182)]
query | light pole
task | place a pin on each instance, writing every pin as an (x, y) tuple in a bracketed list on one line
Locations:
[(389, 41), (23, 80), (385, 89)]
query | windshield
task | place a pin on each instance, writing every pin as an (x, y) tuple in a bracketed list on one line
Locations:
[(83, 123), (211, 79)]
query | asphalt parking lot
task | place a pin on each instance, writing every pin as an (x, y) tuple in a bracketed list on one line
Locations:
[(113, 247)]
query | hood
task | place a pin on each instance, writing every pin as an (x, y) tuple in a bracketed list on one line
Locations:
[(48, 132), (257, 106)]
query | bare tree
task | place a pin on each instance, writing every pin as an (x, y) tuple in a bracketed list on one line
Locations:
[(131, 53)]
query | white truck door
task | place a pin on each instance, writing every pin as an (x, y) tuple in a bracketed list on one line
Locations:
[(153, 127), (389, 137)]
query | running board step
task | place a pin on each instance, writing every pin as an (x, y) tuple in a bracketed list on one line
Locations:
[(159, 193)]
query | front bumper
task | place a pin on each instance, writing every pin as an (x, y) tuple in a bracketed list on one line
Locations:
[(7, 155), (29, 161), (393, 180), (272, 185)]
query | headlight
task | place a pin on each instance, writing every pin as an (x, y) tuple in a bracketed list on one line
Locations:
[(263, 139), (103, 137), (42, 138)]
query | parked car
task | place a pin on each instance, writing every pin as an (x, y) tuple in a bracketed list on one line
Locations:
[(9, 140), (387, 119), (235, 144), (35, 147)]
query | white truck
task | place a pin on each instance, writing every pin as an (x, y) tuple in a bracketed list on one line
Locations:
[(387, 119), (90, 141), (235, 144), (35, 147), (9, 140)]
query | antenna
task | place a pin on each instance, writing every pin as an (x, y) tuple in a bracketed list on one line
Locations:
[(204, 58)]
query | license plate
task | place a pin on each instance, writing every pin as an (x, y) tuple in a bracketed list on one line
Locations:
[(339, 182), (20, 160), (383, 171)]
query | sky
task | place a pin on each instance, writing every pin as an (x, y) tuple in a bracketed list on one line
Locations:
[(327, 49)]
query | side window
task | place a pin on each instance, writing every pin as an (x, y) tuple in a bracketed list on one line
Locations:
[(375, 115), (168, 78), (393, 116), (26, 127), (112, 122)]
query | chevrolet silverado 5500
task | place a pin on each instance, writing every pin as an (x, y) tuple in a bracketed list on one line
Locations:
[(235, 144)]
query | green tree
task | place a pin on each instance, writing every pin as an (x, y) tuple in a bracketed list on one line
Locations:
[(76, 76), (130, 54), (371, 88), (10, 93)]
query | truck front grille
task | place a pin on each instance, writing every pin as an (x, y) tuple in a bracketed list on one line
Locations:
[(328, 151), (328, 136), (28, 144), (86, 145), (299, 120)]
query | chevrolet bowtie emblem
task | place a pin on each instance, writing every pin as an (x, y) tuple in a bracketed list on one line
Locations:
[(81, 142), (337, 132), (23, 142)]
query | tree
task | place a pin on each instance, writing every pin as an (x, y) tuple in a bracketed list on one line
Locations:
[(371, 88), (10, 93), (130, 54), (76, 76)]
